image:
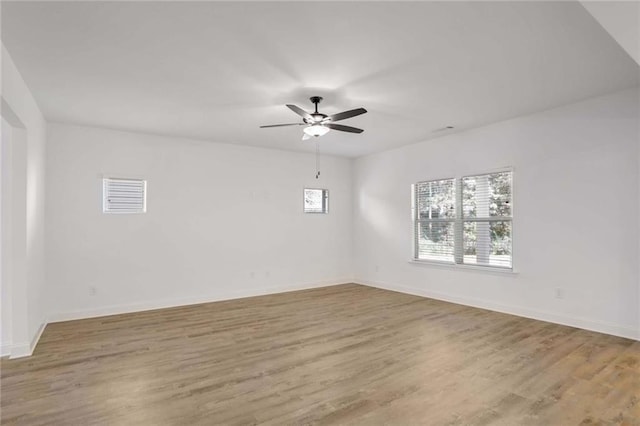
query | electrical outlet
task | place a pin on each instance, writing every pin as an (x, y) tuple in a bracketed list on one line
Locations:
[(92, 291), (252, 275), (559, 293)]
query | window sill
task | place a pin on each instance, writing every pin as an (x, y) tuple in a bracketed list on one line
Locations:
[(468, 268)]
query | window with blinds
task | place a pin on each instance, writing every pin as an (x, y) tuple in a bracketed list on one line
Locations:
[(435, 220), (466, 220), (124, 195), (316, 200)]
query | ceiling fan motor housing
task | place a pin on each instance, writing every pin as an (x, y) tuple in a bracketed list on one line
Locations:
[(317, 117)]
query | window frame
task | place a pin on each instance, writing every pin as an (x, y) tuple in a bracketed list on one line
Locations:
[(459, 222), (325, 201)]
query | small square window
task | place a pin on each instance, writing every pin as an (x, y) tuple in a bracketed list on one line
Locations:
[(124, 195), (316, 200)]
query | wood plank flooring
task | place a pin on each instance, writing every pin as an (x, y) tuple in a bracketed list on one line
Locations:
[(338, 355)]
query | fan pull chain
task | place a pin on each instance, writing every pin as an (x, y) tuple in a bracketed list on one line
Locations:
[(317, 160)]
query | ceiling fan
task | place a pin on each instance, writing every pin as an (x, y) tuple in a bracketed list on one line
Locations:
[(319, 124)]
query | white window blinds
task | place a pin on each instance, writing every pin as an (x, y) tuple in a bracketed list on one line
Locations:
[(123, 195), (435, 220), (465, 220)]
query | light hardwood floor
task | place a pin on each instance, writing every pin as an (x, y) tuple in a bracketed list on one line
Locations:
[(338, 355)]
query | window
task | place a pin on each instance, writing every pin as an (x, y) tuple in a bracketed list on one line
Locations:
[(464, 220), (316, 200), (124, 195)]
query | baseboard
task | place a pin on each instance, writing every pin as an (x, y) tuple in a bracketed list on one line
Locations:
[(583, 323), (25, 349), (5, 349), (172, 303)]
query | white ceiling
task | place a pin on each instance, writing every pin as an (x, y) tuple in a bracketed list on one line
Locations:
[(217, 71), (621, 19)]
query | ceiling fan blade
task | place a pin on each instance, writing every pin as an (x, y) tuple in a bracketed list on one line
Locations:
[(346, 114), (282, 125), (305, 137), (342, 128), (302, 113)]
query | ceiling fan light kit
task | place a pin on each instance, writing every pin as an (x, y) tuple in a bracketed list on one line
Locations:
[(319, 124), (316, 130)]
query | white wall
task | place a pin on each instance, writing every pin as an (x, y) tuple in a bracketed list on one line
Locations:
[(5, 238), (27, 279), (223, 221), (576, 215)]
